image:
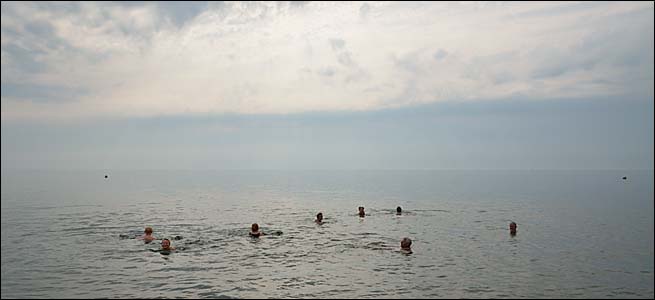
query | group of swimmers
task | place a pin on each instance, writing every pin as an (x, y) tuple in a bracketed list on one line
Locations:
[(405, 244), (147, 237), (255, 232)]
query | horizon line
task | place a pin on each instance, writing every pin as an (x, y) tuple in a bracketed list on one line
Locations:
[(326, 169)]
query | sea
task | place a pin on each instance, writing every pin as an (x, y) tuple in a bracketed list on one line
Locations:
[(580, 234)]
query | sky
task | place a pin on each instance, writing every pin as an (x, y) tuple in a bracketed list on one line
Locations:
[(327, 85)]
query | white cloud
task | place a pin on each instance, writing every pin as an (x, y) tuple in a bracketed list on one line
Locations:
[(281, 58)]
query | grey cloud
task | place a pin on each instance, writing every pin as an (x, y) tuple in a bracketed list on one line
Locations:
[(557, 10), (408, 94), (550, 71), (40, 28), (326, 72), (614, 44), (551, 63), (353, 72), (373, 89), (345, 59), (299, 3), (337, 44), (240, 13), (26, 37), (502, 77), (440, 54), (70, 7), (357, 74), (32, 49), (343, 55), (496, 58), (43, 33), (408, 62), (494, 67), (305, 70), (181, 12), (24, 60), (364, 10), (32, 44), (609, 49)]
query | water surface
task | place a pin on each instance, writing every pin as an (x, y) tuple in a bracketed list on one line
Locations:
[(581, 234)]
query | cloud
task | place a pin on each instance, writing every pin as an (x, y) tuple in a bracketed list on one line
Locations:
[(440, 54), (364, 10), (337, 44), (180, 12), (145, 59), (329, 72)]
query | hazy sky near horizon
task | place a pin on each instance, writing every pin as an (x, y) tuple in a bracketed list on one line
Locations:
[(322, 85)]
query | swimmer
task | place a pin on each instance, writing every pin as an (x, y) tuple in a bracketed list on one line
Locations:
[(166, 248), (361, 212), (166, 245), (319, 218), (254, 231), (399, 211), (512, 228), (406, 245), (147, 235)]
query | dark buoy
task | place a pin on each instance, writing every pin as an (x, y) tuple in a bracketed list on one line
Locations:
[(625, 177)]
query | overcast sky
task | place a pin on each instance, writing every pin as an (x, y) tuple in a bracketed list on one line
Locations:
[(357, 85)]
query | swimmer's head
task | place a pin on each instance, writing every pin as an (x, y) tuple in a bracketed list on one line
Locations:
[(166, 244), (319, 217), (399, 210), (148, 230), (254, 227), (406, 244), (512, 227)]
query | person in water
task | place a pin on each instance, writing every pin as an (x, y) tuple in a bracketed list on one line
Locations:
[(406, 245), (147, 235), (254, 231), (361, 212), (166, 245), (319, 218), (512, 228), (399, 211)]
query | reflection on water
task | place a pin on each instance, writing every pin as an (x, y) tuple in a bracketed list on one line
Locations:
[(580, 234)]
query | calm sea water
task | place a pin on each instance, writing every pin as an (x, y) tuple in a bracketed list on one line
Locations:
[(580, 234)]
